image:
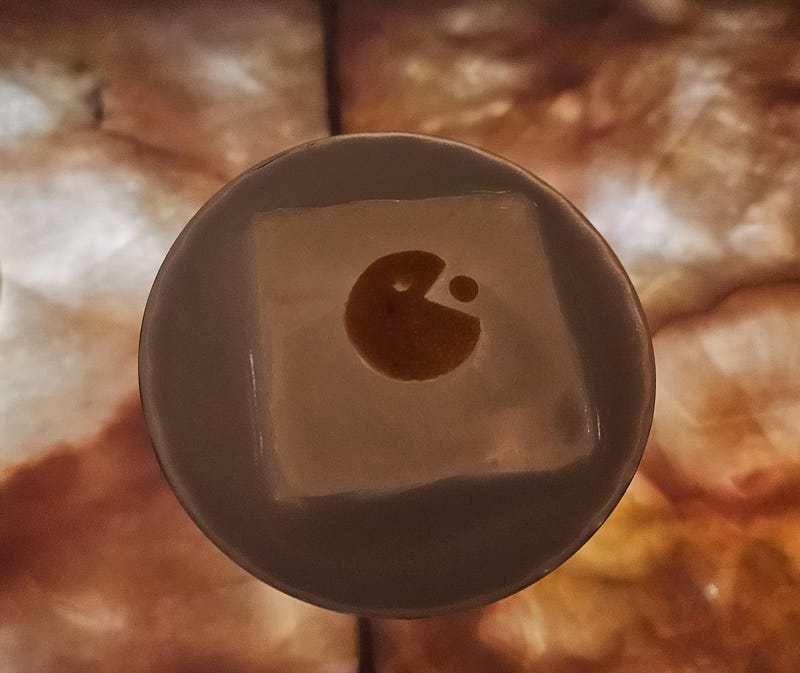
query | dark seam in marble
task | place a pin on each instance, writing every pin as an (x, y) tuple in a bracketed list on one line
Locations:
[(329, 10), (366, 659)]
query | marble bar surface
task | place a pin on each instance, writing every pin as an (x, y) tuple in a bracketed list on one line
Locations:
[(675, 126), (117, 121)]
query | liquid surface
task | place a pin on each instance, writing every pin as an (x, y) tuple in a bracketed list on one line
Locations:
[(371, 374)]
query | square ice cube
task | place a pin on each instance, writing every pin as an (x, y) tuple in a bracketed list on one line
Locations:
[(519, 402)]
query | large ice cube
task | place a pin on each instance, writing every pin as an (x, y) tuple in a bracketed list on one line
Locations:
[(334, 423)]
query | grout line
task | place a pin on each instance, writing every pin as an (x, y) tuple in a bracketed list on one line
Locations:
[(330, 28), (366, 659)]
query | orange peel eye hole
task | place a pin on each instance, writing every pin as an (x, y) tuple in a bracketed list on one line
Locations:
[(401, 284)]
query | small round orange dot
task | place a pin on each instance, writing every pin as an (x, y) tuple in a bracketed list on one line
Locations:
[(463, 288)]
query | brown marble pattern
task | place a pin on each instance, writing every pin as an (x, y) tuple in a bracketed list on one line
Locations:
[(101, 570), (117, 121), (676, 131), (676, 127), (674, 124), (221, 85)]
